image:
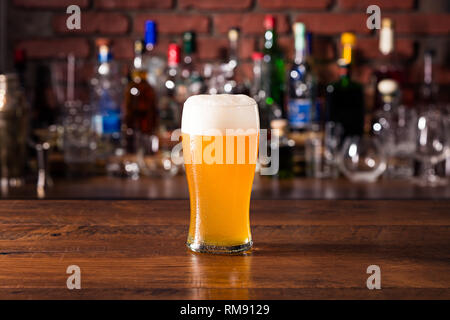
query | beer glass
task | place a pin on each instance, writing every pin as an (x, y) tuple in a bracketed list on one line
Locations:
[(220, 145)]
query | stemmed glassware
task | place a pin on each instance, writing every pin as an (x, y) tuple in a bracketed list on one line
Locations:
[(432, 146)]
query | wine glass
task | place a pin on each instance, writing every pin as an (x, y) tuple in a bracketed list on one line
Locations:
[(431, 146), (362, 159)]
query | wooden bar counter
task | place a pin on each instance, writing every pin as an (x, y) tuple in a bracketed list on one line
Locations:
[(304, 249)]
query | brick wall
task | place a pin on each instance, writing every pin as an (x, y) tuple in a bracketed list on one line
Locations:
[(39, 27)]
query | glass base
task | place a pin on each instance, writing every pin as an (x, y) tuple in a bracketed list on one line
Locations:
[(430, 181), (204, 248)]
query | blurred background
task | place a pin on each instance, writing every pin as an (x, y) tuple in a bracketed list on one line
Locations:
[(355, 113)]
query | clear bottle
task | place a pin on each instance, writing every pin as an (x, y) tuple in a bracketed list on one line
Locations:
[(154, 64), (389, 67), (106, 102), (301, 105), (191, 77), (396, 129), (234, 80), (175, 93), (274, 68)]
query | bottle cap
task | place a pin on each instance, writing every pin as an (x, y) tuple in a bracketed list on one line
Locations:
[(138, 46), (299, 28), (387, 86), (387, 23), (299, 34), (173, 54), (269, 22), (348, 38), (150, 33), (189, 42), (342, 62), (104, 54), (233, 34), (257, 56)]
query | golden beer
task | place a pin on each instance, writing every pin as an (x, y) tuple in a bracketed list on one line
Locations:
[(220, 146)]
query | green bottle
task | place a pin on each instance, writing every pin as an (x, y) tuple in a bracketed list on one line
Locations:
[(192, 80), (273, 69), (345, 97)]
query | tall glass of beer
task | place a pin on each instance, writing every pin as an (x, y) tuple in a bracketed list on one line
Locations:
[(220, 145)]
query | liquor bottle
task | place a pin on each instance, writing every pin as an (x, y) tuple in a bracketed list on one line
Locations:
[(258, 93), (429, 90), (106, 101), (191, 77), (345, 97), (141, 113), (154, 64), (233, 83), (174, 95), (390, 67), (301, 107), (274, 70), (396, 130)]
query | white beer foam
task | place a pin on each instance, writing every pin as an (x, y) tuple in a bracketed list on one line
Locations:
[(206, 114)]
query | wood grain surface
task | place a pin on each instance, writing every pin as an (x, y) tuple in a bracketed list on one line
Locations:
[(303, 250)]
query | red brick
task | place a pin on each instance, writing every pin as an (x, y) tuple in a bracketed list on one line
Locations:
[(286, 44), (55, 48), (383, 4), (215, 4), (84, 71), (362, 73), (443, 75), (369, 48), (248, 23), (105, 23), (323, 48), (211, 48), (173, 23), (417, 23), (134, 4), (50, 3), (122, 48), (246, 47), (327, 72), (334, 23), (294, 4), (247, 70)]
